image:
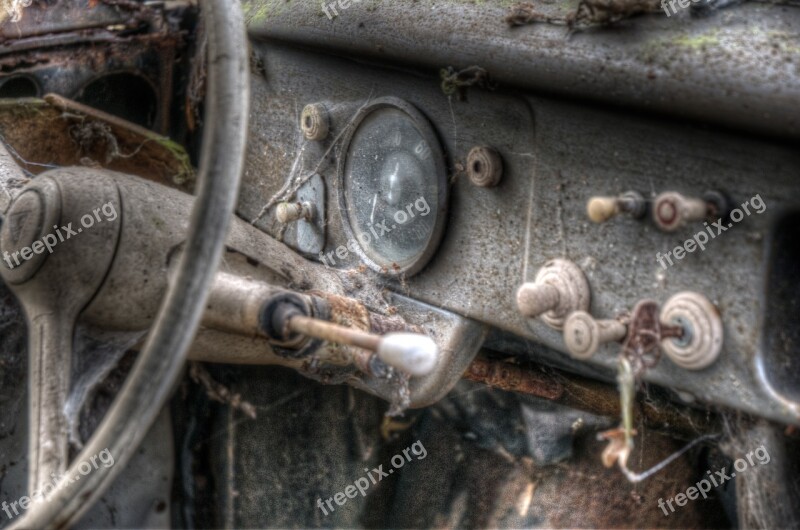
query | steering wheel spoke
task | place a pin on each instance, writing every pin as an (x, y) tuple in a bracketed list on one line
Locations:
[(50, 360)]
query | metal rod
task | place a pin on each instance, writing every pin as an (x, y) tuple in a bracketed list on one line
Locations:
[(326, 331)]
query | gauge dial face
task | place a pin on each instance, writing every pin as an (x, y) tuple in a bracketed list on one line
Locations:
[(394, 188)]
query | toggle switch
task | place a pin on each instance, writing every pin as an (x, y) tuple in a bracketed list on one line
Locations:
[(583, 334), (701, 342), (289, 212), (671, 210), (560, 288), (602, 209)]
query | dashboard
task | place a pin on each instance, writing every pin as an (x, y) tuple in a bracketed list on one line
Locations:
[(507, 174)]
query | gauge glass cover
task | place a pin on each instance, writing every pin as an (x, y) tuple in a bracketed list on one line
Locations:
[(394, 182)]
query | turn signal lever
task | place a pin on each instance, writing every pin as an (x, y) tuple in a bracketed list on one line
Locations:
[(283, 318), (289, 319), (412, 353)]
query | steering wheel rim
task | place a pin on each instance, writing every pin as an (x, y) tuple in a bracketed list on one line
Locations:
[(159, 365)]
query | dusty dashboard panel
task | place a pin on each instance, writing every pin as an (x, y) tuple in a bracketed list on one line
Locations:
[(642, 210)]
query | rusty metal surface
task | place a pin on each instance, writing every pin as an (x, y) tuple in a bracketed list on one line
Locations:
[(65, 45), (41, 18), (56, 132), (652, 409)]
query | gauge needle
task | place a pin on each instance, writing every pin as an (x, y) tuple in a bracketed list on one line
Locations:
[(374, 204)]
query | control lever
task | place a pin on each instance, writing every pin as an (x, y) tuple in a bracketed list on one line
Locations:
[(412, 353), (288, 319)]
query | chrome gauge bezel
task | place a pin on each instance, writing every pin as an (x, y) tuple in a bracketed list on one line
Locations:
[(427, 132)]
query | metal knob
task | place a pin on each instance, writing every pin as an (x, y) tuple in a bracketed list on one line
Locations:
[(560, 288), (583, 334)]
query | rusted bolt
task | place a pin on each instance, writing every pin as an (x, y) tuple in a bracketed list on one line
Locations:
[(315, 122), (484, 167)]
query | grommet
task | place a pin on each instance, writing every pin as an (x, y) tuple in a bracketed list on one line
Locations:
[(583, 335), (315, 122), (484, 167), (560, 288), (701, 343)]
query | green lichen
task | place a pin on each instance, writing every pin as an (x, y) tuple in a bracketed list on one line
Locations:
[(697, 42), (186, 172)]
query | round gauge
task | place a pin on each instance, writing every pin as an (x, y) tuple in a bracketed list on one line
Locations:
[(393, 191)]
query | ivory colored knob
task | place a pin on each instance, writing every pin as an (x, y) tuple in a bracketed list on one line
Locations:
[(583, 334), (702, 341), (672, 210), (560, 289), (601, 209), (411, 353), (288, 212)]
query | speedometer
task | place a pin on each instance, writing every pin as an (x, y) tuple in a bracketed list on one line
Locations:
[(393, 189)]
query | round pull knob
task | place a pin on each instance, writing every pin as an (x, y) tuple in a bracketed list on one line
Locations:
[(560, 289), (583, 334), (701, 342), (672, 210), (288, 212), (602, 209)]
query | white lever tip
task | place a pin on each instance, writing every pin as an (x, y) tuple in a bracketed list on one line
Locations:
[(412, 353)]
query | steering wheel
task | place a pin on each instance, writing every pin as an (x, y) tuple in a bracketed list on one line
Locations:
[(160, 363)]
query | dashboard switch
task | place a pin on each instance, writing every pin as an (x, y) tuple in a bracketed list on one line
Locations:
[(560, 288), (288, 212), (583, 334), (602, 209), (701, 342), (672, 210)]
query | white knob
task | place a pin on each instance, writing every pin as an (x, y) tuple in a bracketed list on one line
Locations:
[(583, 334), (701, 343), (602, 209), (560, 289), (672, 210), (412, 353), (288, 212)]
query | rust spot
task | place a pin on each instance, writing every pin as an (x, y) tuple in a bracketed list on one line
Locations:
[(513, 378)]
